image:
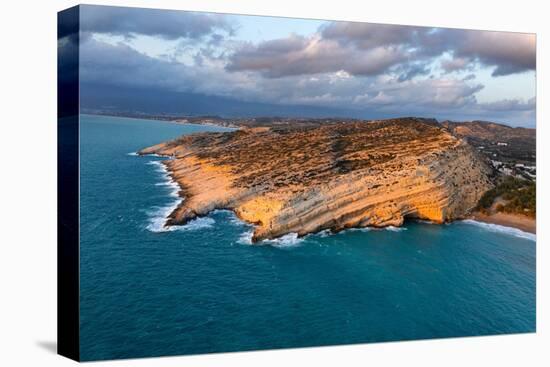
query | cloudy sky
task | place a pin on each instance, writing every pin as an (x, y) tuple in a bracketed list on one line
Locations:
[(368, 70)]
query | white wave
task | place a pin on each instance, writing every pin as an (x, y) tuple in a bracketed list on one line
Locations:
[(159, 216), (133, 153), (288, 240), (197, 223), (157, 223), (358, 229), (369, 229), (154, 155), (395, 229), (324, 233), (168, 181), (502, 229), (236, 221), (423, 221), (246, 238), (156, 164)]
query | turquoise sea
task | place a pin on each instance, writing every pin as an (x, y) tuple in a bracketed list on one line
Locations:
[(203, 288)]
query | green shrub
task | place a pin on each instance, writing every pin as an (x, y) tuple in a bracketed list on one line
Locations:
[(520, 195)]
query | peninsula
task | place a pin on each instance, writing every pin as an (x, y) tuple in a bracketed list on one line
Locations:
[(306, 179)]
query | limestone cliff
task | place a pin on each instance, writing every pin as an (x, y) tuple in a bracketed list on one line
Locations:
[(335, 176)]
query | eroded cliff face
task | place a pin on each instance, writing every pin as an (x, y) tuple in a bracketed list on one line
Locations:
[(338, 176)]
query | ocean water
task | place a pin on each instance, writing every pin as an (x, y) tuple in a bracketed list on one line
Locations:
[(203, 288)]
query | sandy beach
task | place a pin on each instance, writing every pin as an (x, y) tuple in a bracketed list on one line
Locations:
[(510, 220)]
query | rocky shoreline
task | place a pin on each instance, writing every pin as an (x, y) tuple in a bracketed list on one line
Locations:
[(333, 177)]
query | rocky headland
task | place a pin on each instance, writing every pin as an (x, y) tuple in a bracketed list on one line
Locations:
[(333, 176)]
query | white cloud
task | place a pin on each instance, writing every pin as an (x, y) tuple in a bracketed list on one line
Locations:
[(352, 66)]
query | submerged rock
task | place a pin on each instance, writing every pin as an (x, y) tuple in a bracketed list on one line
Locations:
[(307, 179)]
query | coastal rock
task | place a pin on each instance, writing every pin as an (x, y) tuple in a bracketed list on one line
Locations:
[(337, 176)]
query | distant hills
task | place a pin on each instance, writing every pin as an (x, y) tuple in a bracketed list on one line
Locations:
[(132, 101), (510, 147), (488, 130), (96, 98)]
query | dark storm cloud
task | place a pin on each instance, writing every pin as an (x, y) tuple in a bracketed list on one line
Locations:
[(124, 66), (372, 49), (167, 24), (121, 65)]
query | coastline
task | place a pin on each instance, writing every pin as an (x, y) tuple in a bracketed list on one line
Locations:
[(521, 222), (170, 120), (291, 194), (210, 186), (161, 224)]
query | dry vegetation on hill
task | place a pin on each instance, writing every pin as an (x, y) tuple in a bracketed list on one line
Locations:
[(305, 179)]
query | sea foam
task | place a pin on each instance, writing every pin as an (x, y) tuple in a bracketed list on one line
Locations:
[(288, 240), (322, 234), (158, 219), (159, 156), (368, 229), (167, 181), (197, 223), (159, 215), (502, 229), (246, 238), (395, 229)]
